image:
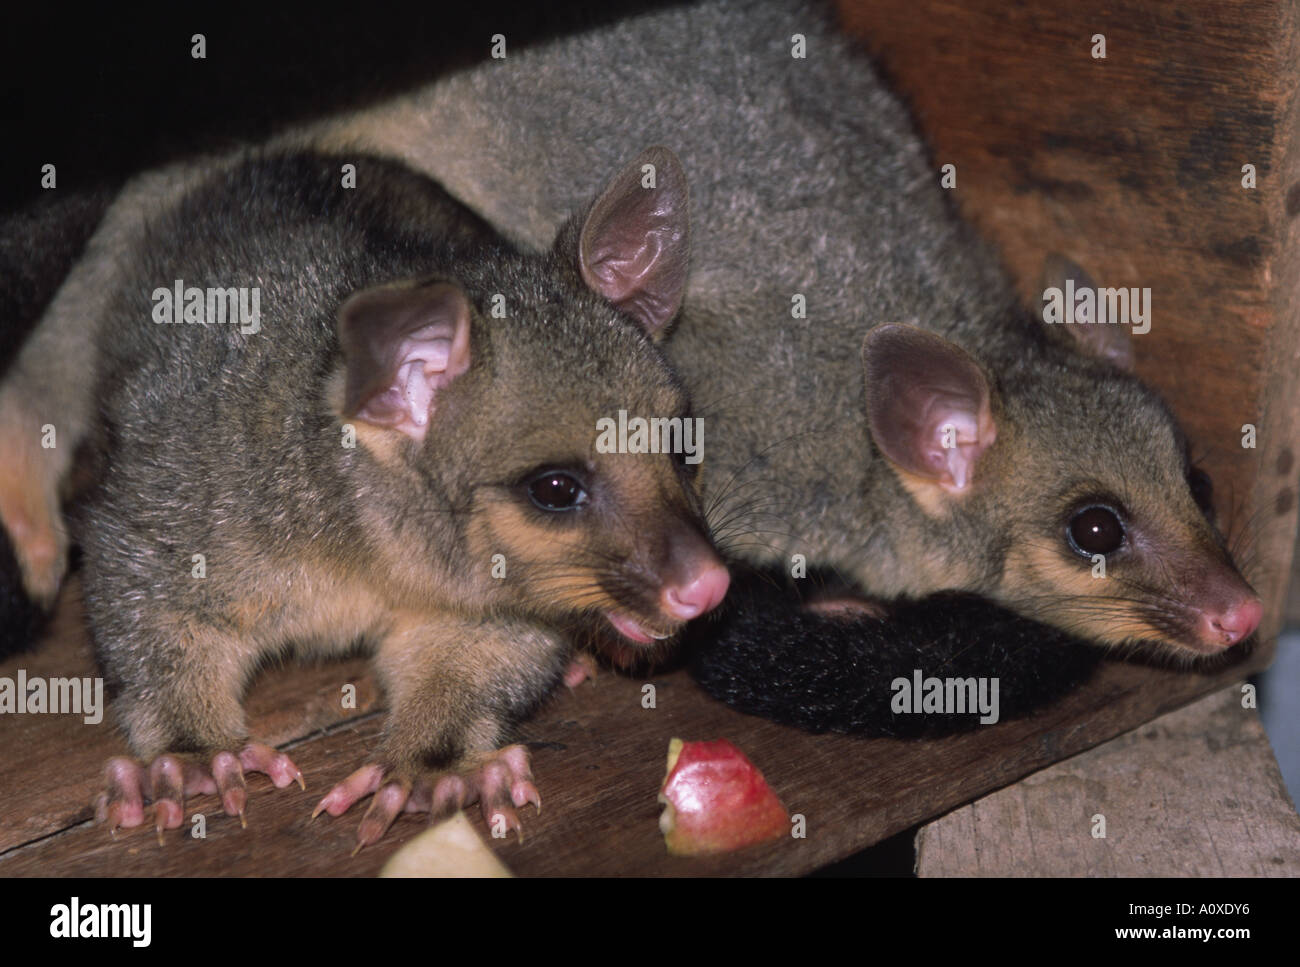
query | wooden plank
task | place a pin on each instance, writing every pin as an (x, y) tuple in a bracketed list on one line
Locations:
[(1277, 492), (599, 759), (1132, 165), (1194, 793), (1291, 614)]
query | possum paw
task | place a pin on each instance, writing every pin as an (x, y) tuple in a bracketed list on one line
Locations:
[(583, 668), (848, 607), (498, 781), (170, 778)]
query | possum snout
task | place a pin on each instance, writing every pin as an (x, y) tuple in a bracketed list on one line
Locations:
[(704, 593), (680, 577), (1227, 612), (698, 584)]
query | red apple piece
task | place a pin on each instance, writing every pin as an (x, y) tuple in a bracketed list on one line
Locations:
[(716, 800)]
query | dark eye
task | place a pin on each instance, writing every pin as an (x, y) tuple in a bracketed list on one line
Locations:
[(1096, 530), (556, 490), (1202, 489)]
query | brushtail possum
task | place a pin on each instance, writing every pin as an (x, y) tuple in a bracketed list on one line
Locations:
[(382, 432), (878, 401), (879, 404)]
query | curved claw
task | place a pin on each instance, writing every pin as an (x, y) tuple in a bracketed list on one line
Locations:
[(522, 789), (122, 801), (384, 808), (167, 782), (170, 779), (499, 781), (355, 787), (277, 765), (501, 817), (229, 776)]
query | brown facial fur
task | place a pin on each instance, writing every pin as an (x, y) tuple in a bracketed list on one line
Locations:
[(613, 555), (1117, 448), (1043, 578)]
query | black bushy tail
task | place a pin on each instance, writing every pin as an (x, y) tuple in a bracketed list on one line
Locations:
[(766, 656)]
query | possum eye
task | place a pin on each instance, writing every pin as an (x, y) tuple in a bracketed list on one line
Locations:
[(1095, 530), (556, 490)]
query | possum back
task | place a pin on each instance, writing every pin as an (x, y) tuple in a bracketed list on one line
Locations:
[(817, 217)]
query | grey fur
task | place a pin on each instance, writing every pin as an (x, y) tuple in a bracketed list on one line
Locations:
[(807, 178), (227, 444)]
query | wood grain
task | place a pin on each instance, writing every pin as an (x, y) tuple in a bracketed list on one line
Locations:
[(1194, 793), (598, 756), (50, 764)]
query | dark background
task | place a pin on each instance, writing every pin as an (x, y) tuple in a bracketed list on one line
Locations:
[(106, 93)]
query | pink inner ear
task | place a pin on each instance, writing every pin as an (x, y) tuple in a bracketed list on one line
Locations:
[(417, 390), (421, 368), (924, 392), (622, 270), (954, 466), (633, 249), (617, 278), (623, 283)]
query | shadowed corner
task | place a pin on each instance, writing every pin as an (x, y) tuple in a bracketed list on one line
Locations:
[(1279, 707), (21, 620)]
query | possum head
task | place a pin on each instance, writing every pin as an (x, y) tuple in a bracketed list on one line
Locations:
[(1068, 479), (493, 386)]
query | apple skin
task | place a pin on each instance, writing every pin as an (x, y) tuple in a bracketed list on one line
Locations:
[(716, 800)]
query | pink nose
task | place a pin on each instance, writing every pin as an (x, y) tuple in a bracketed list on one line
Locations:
[(704, 593), (1237, 623)]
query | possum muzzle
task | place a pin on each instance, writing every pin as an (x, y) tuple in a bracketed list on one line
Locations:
[(681, 579)]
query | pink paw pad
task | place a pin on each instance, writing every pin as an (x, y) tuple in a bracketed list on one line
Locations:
[(847, 608), (169, 779), (582, 668), (499, 782)]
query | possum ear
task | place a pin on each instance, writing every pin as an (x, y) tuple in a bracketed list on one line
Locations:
[(634, 245), (401, 345), (927, 405), (1108, 341)]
